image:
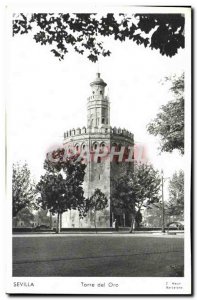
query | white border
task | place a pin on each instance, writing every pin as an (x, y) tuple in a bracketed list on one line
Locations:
[(127, 285)]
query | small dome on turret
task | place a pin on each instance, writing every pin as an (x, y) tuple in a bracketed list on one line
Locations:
[(98, 81)]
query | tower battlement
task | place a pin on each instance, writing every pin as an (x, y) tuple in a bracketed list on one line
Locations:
[(95, 130)]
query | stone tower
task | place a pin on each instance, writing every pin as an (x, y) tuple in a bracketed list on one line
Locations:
[(109, 155)]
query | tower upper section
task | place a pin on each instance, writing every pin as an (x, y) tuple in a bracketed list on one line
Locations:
[(98, 108)]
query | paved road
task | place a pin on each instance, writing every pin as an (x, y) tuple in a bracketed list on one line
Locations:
[(98, 255)]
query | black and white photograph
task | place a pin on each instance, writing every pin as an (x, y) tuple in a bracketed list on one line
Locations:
[(98, 141)]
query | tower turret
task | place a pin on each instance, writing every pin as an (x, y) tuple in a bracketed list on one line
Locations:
[(98, 114)]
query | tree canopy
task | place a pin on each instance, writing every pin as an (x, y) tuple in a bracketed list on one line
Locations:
[(60, 188), (97, 202), (175, 206), (169, 122), (23, 188), (135, 190), (42, 217), (85, 33), (25, 215)]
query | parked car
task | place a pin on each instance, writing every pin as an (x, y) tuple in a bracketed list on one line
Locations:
[(179, 225), (42, 227)]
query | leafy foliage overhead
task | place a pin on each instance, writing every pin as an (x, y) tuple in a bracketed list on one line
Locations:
[(169, 122), (85, 32)]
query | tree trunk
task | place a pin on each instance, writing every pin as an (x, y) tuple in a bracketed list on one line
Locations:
[(131, 228), (132, 223), (51, 220), (95, 221), (58, 223), (123, 219)]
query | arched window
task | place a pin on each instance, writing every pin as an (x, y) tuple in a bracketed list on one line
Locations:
[(115, 157), (103, 120), (102, 147), (83, 146)]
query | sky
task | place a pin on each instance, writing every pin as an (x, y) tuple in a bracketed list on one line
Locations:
[(47, 97)]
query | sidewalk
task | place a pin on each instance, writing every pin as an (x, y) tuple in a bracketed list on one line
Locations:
[(179, 234)]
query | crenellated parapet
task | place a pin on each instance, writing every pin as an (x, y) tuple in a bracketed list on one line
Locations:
[(95, 130), (75, 132), (121, 132)]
